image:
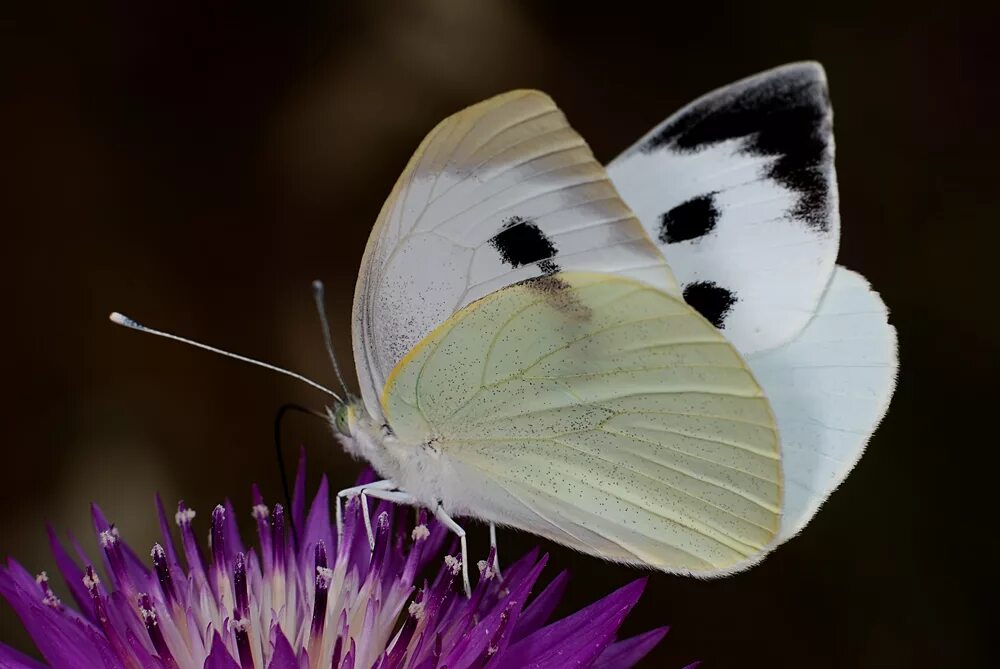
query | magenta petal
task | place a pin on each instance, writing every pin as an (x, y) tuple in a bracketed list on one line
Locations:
[(284, 656), (139, 650), (317, 526), (542, 607), (234, 543), (220, 658), (101, 524), (580, 628), (495, 628), (11, 659), (263, 528), (61, 641), (168, 542), (583, 648), (348, 662), (71, 573), (627, 653)]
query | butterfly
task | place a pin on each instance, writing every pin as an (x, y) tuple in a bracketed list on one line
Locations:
[(658, 362)]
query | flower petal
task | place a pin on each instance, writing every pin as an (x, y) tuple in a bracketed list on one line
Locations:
[(542, 607), (11, 659), (62, 641), (168, 542), (488, 634), (317, 525), (71, 573), (586, 631), (283, 656), (220, 658), (234, 543), (627, 653)]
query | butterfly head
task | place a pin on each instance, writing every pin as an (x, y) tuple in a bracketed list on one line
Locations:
[(343, 418)]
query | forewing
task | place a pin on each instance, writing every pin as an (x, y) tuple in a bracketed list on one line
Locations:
[(739, 190), (829, 390), (501, 192), (602, 413)]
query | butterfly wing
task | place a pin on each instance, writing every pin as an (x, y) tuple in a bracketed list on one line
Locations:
[(501, 192), (829, 389), (740, 191), (600, 412)]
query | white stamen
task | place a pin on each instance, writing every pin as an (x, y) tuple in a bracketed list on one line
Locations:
[(420, 532), (148, 615), (108, 538), (49, 599), (184, 516), (417, 610), (324, 577), (91, 583), (453, 563), (240, 625), (491, 650), (157, 553), (260, 511), (485, 570)]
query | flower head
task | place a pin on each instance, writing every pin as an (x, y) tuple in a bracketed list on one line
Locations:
[(306, 603)]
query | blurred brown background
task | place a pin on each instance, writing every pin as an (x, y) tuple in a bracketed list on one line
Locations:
[(196, 167)]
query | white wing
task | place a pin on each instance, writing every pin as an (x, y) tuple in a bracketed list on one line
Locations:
[(829, 389), (739, 190), (501, 192)]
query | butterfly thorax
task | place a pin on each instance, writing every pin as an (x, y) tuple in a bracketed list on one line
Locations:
[(415, 468)]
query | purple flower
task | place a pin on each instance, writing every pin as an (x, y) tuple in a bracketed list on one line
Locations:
[(318, 602)]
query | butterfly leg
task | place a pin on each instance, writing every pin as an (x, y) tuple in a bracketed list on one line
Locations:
[(394, 496), (495, 550), (354, 491), (448, 522)]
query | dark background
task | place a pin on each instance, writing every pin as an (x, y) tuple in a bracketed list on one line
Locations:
[(196, 168)]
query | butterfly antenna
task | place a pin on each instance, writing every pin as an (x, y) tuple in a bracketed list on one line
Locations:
[(319, 296), (125, 321)]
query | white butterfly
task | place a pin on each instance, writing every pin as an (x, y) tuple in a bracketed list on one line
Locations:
[(527, 357)]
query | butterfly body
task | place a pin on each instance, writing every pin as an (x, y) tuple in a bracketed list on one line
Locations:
[(659, 363), (527, 356)]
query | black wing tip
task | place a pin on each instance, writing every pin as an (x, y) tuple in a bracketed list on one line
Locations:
[(783, 113), (800, 84)]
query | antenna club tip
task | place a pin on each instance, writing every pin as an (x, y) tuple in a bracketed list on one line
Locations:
[(317, 285), (120, 319)]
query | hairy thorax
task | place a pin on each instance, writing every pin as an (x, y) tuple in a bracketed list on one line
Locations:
[(418, 468)]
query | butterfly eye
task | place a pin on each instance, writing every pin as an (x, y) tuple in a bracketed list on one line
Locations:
[(340, 420)]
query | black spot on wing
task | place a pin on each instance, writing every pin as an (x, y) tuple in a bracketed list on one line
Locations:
[(785, 114), (548, 267), (690, 220), (521, 242), (710, 300)]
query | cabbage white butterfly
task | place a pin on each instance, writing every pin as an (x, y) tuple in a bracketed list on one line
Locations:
[(533, 354)]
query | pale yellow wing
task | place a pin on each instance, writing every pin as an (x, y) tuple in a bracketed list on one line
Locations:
[(599, 412), (501, 192)]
